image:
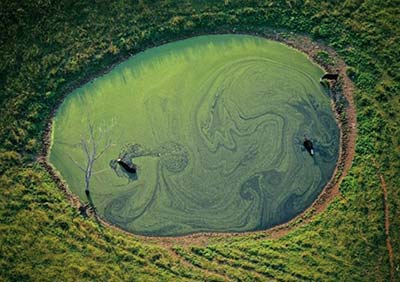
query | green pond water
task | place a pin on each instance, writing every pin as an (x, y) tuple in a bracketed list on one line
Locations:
[(215, 125)]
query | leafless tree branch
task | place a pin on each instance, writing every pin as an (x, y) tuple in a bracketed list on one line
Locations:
[(90, 145), (77, 164)]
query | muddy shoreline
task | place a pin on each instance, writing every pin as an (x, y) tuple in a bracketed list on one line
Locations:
[(342, 105)]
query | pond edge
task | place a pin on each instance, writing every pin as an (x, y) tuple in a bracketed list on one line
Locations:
[(341, 93)]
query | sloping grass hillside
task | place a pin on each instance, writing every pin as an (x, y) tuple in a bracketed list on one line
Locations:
[(50, 47)]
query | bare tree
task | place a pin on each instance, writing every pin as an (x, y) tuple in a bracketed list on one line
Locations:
[(94, 145)]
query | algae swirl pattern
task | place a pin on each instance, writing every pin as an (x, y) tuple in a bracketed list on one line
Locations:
[(215, 125)]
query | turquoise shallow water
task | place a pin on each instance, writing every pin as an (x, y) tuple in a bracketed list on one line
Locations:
[(215, 125)]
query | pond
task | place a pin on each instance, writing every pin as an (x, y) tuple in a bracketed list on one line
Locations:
[(215, 126)]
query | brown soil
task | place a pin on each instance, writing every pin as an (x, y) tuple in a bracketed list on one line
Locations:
[(387, 221), (346, 118)]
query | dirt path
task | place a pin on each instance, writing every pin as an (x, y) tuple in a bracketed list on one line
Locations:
[(387, 222), (387, 228), (346, 118)]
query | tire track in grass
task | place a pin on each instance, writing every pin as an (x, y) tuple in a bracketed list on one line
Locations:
[(232, 270), (188, 259), (387, 227), (263, 269), (387, 220), (273, 265)]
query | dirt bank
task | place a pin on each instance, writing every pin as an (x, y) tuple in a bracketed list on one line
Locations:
[(342, 105)]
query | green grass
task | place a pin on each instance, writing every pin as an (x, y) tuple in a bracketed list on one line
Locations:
[(50, 47), (220, 121)]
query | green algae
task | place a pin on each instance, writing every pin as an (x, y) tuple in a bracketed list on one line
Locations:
[(215, 125)]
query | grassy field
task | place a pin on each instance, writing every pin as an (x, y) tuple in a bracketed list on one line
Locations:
[(220, 122), (51, 47)]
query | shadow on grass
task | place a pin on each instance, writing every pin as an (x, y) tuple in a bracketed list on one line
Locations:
[(88, 208)]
